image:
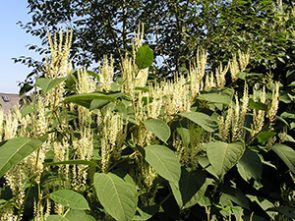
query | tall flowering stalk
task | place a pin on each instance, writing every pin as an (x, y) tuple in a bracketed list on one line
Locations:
[(106, 73), (272, 111), (239, 64), (231, 127), (132, 76), (258, 115), (112, 138), (197, 72)]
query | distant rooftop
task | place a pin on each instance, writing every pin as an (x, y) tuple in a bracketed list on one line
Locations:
[(8, 101)]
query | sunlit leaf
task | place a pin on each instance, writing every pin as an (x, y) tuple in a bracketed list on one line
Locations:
[(159, 128), (70, 198), (118, 198), (223, 156), (144, 57), (215, 98), (200, 119), (15, 150), (47, 84), (87, 99), (79, 215), (164, 161), (264, 136)]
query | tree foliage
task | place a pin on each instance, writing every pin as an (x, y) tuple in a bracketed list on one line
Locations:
[(174, 29)]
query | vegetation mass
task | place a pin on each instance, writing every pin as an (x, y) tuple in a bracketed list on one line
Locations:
[(208, 139)]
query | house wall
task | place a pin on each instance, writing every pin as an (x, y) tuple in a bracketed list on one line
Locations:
[(13, 101)]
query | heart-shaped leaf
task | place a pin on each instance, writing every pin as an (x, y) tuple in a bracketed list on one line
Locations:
[(159, 128), (70, 198), (223, 156), (250, 166), (189, 184), (144, 57), (118, 197), (164, 161)]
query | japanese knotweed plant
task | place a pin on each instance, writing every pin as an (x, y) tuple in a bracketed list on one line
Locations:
[(95, 146)]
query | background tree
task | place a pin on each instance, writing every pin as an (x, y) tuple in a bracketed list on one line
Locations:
[(173, 28)]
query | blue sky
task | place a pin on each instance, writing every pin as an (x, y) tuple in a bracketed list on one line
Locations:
[(13, 41)]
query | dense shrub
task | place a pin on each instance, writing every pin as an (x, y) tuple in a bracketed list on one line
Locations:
[(206, 146)]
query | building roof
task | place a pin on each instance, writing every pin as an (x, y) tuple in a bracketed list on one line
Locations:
[(8, 101)]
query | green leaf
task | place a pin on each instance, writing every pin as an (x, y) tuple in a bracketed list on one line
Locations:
[(223, 156), (281, 60), (285, 98), (70, 198), (200, 196), (159, 128), (2, 201), (288, 115), (85, 100), (27, 109), (15, 150), (144, 57), (142, 215), (56, 218), (289, 138), (185, 135), (205, 164), (257, 105), (147, 212), (250, 166), (287, 154), (264, 203), (284, 121), (285, 210), (164, 161), (79, 215), (117, 197), (189, 184), (201, 119), (215, 98), (93, 74), (264, 136), (235, 196), (242, 75), (46, 84), (98, 103)]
